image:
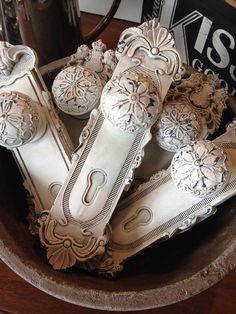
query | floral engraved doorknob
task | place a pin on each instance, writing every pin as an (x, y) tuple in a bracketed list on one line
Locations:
[(131, 102), (112, 145), (77, 90), (200, 168), (78, 87), (21, 120), (179, 123)]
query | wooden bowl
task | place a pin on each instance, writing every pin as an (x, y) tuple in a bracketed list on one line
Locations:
[(165, 273)]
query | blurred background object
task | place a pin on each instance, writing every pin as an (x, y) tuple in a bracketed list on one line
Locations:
[(130, 10), (9, 26), (51, 27)]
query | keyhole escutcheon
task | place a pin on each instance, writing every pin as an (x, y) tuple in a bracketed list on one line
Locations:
[(97, 178), (141, 217)]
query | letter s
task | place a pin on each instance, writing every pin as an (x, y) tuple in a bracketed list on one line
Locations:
[(220, 48)]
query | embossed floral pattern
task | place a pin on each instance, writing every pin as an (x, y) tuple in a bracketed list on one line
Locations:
[(97, 59), (19, 119), (131, 102), (157, 42), (207, 96), (63, 250), (76, 90), (179, 123), (200, 168)]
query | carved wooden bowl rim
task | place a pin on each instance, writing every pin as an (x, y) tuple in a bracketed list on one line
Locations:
[(123, 300)]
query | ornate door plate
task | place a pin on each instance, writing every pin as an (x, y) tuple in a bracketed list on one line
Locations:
[(162, 208), (30, 127), (111, 145)]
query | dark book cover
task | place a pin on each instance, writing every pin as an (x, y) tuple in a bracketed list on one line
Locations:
[(204, 32)]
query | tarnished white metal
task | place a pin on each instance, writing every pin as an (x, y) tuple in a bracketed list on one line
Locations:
[(200, 168), (30, 127), (179, 123), (21, 120), (158, 210), (77, 90), (131, 102), (98, 59), (207, 96), (74, 230), (78, 87), (15, 60), (192, 110)]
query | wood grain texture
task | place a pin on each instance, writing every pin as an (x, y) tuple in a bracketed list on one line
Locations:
[(17, 296)]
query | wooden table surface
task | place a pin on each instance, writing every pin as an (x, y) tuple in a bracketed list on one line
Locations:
[(17, 296)]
